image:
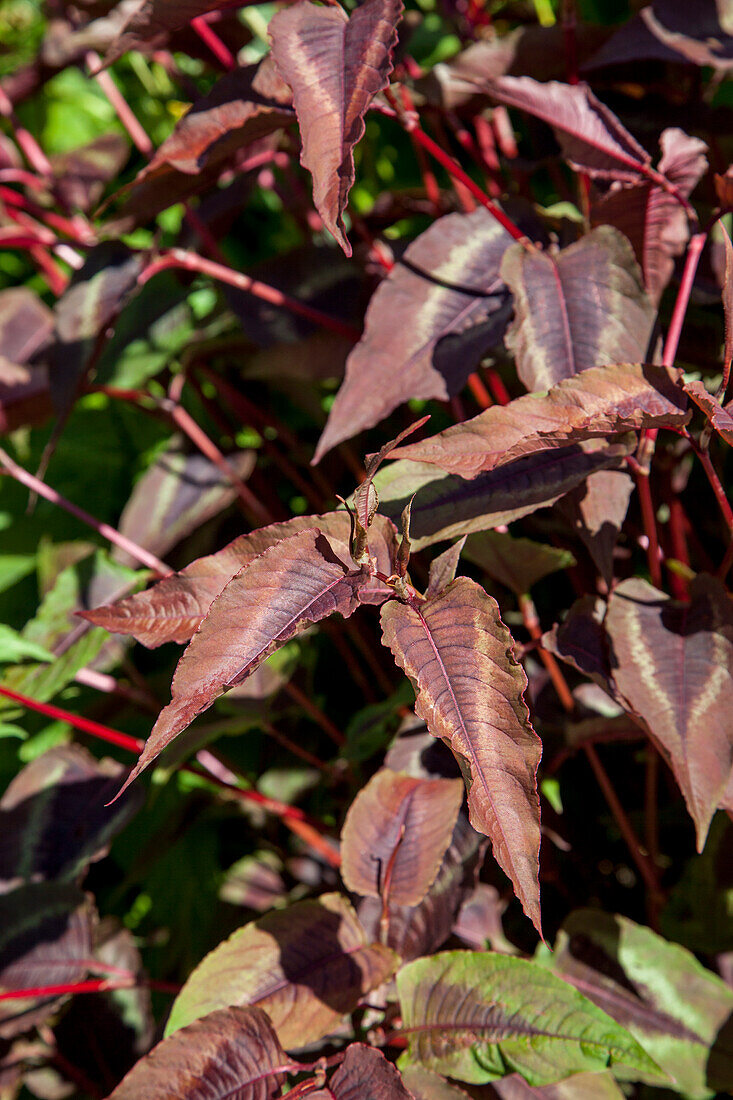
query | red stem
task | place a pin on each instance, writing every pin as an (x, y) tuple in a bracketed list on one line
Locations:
[(126, 116), (210, 38), (650, 526), (28, 145), (189, 261)]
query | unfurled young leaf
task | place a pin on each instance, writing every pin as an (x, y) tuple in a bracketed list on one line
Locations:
[(396, 833), (476, 1016), (415, 930), (173, 609), (294, 583), (306, 966), (447, 506), (593, 140), (443, 568), (718, 416), (673, 664), (582, 307), (365, 1074), (599, 402), (231, 1052), (596, 511), (516, 563), (442, 306), (242, 108), (671, 1004), (652, 218), (335, 65), (469, 690)]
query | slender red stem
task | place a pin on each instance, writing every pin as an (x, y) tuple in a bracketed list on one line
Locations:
[(28, 145), (123, 111), (92, 985), (210, 38), (649, 519)]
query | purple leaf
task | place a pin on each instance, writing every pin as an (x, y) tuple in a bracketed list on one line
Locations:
[(365, 1074), (717, 415), (428, 324), (335, 65), (150, 22), (596, 511), (673, 30)]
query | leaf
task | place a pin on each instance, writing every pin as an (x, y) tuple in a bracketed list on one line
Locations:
[(592, 138), (718, 416), (581, 1086), (469, 690), (230, 1053), (667, 30), (292, 584), (365, 1074), (596, 511), (654, 220), (477, 1015), (447, 506), (14, 647), (243, 107), (599, 402), (583, 307), (82, 174), (178, 493), (306, 966), (54, 817), (45, 939), (26, 324), (580, 640), (415, 930), (335, 65), (396, 833), (673, 664), (680, 1012), (366, 498), (727, 301), (149, 22), (516, 563), (442, 306), (426, 1085), (443, 568)]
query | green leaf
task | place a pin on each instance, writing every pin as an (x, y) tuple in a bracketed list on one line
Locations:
[(477, 1016), (516, 563), (14, 648)]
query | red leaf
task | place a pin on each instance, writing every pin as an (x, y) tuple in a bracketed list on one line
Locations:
[(596, 403), (290, 585), (469, 688), (596, 511), (26, 324), (673, 30), (335, 66), (151, 21), (719, 416), (439, 310), (365, 1074)]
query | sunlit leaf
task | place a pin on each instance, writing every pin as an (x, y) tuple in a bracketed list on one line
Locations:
[(719, 416)]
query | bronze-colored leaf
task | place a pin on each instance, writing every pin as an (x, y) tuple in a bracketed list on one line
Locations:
[(581, 640), (365, 1074), (672, 31), (516, 563), (442, 306), (443, 568), (335, 65), (306, 966), (469, 688), (26, 324), (673, 664), (596, 511), (233, 1052), (581, 307), (718, 416), (294, 583), (82, 174), (149, 22), (396, 833)]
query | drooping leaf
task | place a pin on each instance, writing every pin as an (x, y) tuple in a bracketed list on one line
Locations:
[(173, 609), (668, 30), (233, 1052), (442, 306), (365, 1074), (448, 506), (477, 1015), (45, 939), (82, 174), (396, 833), (294, 583), (516, 563), (415, 930), (673, 664), (335, 65), (593, 140), (582, 307), (718, 416), (673, 1006), (242, 108), (596, 511), (306, 966), (149, 22), (469, 690), (599, 402), (651, 217), (54, 817), (175, 495)]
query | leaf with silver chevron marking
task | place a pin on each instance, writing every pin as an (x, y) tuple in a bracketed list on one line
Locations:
[(447, 506), (396, 833), (599, 402), (593, 139), (231, 1052), (335, 65), (469, 688), (582, 307), (292, 584), (673, 664), (477, 1016), (442, 306)]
